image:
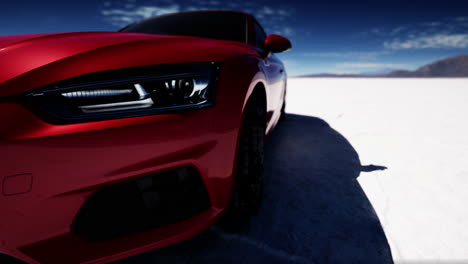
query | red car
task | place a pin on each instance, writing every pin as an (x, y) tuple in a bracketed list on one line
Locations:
[(116, 143)]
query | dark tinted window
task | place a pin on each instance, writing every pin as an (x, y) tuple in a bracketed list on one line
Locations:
[(260, 36), (216, 25)]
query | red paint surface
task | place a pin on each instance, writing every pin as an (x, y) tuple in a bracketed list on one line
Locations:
[(17, 184), (69, 162)]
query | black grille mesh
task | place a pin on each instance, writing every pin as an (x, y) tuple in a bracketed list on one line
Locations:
[(138, 205)]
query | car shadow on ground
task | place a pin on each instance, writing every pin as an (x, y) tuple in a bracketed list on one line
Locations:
[(314, 210)]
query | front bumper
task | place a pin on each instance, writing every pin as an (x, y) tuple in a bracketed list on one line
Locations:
[(66, 164)]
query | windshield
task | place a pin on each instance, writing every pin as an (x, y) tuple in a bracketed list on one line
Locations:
[(215, 25)]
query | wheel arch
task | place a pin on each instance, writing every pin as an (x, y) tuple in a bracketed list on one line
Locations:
[(257, 89)]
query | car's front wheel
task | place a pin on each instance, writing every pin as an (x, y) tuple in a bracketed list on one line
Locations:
[(249, 173), (283, 111)]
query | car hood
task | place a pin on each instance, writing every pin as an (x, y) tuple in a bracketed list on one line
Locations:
[(31, 61)]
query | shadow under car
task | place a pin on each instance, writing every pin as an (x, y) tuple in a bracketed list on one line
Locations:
[(314, 210)]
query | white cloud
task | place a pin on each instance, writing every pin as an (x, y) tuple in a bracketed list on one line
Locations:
[(448, 26), (121, 17), (267, 11), (283, 12), (370, 55), (426, 42), (432, 24), (210, 3), (376, 31), (366, 65), (285, 31), (443, 34), (274, 20), (213, 2), (397, 30)]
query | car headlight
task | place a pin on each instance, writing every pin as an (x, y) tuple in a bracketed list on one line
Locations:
[(142, 91)]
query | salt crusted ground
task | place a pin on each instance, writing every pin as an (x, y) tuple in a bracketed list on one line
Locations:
[(417, 128)]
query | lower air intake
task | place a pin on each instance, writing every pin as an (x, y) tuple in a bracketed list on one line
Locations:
[(142, 204), (5, 259)]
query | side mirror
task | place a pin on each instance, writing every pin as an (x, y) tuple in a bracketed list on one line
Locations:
[(276, 43)]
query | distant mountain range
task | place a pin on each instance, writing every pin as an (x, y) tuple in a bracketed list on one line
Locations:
[(450, 67)]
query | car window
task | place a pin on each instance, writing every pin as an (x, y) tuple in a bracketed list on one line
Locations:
[(260, 36), (215, 25)]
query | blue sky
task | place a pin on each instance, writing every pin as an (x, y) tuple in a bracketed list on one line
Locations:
[(328, 36)]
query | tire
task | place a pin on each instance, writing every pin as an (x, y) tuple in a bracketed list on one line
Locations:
[(283, 111), (248, 188)]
